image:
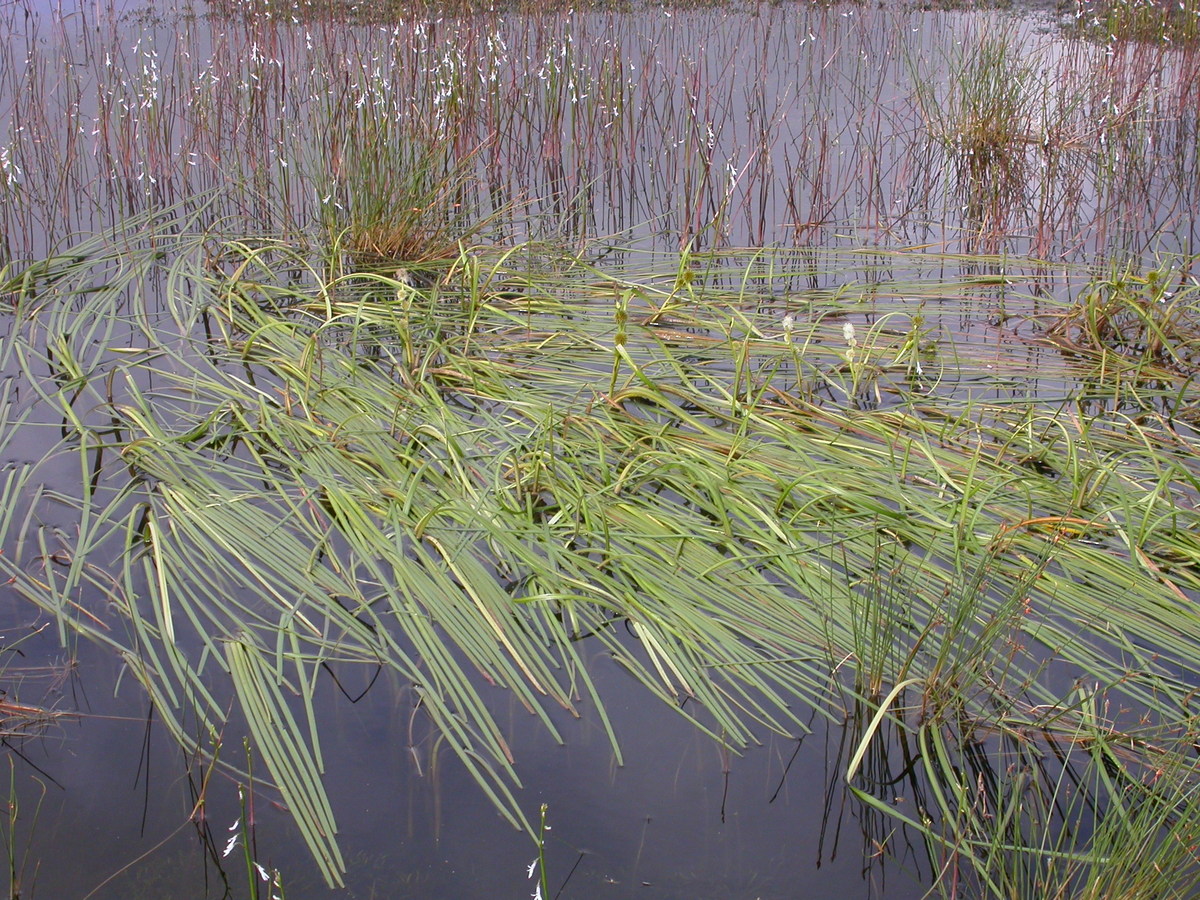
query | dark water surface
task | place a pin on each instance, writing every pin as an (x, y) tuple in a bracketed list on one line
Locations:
[(106, 812)]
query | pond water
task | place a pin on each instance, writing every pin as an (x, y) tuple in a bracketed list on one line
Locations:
[(958, 177), (670, 823), (830, 126)]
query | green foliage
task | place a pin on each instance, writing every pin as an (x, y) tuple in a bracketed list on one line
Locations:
[(1152, 21), (1145, 322), (326, 414), (455, 484)]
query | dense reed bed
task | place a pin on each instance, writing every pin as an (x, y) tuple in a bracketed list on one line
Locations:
[(790, 124), (804, 361)]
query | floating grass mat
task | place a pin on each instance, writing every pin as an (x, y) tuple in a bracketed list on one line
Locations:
[(766, 483)]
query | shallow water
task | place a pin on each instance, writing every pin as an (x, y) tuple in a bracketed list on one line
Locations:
[(678, 820), (830, 127), (790, 126)]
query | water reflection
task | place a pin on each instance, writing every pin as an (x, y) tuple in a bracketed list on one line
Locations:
[(832, 126), (682, 819)]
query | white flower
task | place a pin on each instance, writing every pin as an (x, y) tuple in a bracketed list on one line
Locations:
[(848, 333)]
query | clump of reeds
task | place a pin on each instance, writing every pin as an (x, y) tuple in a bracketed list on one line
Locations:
[(1088, 811), (412, 217), (988, 121), (391, 196), (1151, 21)]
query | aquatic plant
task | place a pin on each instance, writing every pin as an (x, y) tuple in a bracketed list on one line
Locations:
[(303, 474), (421, 356), (1143, 322), (1151, 21)]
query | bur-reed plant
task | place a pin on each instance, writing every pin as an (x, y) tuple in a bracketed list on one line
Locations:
[(289, 460), (1142, 320), (20, 495), (295, 466)]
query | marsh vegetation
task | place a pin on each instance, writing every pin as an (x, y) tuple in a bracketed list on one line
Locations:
[(380, 378)]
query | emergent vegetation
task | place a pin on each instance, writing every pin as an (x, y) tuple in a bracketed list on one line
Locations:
[(401, 400)]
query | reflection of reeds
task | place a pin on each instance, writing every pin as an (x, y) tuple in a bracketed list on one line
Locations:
[(704, 128)]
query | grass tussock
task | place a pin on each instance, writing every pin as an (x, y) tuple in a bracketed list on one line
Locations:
[(394, 200), (988, 121)]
